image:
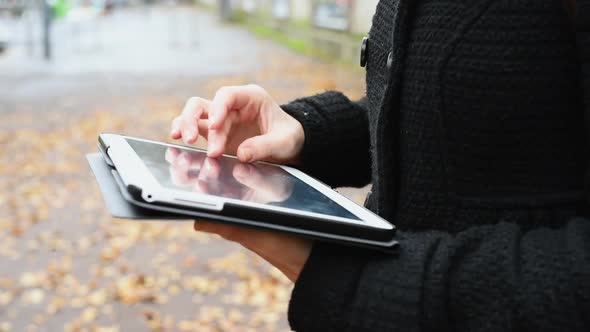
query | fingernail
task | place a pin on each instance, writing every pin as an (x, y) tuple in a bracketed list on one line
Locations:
[(174, 127), (185, 136), (211, 147), (246, 154), (191, 134)]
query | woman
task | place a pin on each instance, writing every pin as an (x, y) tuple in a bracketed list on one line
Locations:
[(472, 134)]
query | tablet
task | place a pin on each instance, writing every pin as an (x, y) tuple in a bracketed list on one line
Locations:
[(184, 180)]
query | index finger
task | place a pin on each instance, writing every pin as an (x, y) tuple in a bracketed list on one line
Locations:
[(194, 111), (227, 99), (196, 108)]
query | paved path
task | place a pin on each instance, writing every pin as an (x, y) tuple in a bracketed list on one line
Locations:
[(64, 263)]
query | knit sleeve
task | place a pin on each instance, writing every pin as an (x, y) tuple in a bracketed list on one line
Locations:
[(487, 278), (336, 148)]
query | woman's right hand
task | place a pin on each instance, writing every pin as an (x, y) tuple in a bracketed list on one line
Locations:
[(246, 121), (243, 121)]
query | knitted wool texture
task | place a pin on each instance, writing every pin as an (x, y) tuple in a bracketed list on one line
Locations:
[(476, 141)]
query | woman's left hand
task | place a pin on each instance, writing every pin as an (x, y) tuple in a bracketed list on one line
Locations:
[(285, 252)]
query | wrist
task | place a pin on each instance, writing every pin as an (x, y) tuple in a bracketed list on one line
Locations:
[(299, 141), (294, 259), (296, 138)]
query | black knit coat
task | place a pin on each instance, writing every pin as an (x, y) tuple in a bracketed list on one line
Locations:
[(472, 134)]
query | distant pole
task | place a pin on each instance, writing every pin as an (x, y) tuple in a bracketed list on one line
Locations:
[(47, 15), (30, 39), (225, 9)]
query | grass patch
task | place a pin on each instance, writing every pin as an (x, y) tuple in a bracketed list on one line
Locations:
[(203, 5), (298, 35), (296, 44)]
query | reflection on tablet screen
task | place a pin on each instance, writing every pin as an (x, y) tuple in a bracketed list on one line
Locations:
[(189, 170)]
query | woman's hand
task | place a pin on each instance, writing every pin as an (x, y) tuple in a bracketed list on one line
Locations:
[(243, 121), (287, 253), (247, 122)]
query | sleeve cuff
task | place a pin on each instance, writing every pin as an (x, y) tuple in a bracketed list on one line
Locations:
[(352, 289), (336, 130), (312, 128)]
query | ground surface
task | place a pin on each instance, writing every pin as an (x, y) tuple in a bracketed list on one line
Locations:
[(64, 263)]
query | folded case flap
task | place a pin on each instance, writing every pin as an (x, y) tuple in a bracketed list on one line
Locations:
[(116, 203)]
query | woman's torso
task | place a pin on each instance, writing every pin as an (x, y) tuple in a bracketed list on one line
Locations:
[(488, 125)]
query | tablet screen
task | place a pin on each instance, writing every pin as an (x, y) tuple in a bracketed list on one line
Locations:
[(186, 169)]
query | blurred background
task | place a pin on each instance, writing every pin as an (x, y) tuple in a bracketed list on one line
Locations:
[(70, 69)]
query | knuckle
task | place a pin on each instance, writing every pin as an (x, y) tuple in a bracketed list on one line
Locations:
[(262, 150), (192, 103), (186, 122), (223, 91), (193, 100), (256, 88)]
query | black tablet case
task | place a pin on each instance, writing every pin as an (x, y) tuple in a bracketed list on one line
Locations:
[(121, 205)]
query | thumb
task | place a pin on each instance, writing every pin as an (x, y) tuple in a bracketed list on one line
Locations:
[(257, 148)]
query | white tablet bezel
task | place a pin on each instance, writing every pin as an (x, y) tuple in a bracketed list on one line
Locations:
[(134, 172)]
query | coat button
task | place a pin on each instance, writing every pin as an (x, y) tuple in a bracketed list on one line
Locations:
[(364, 51), (389, 60)]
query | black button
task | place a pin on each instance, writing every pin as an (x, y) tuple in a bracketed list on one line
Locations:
[(364, 51), (389, 60)]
